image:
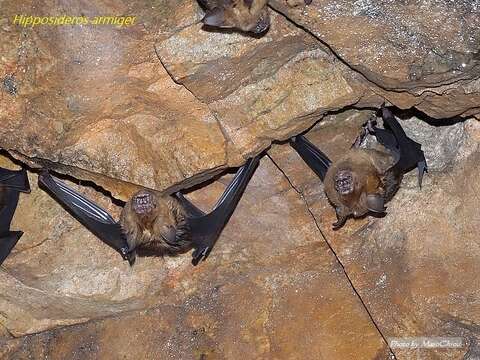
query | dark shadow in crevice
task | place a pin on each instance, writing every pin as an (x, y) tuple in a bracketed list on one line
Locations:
[(414, 112), (63, 177)]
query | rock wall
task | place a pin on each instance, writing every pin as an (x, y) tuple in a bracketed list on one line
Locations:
[(165, 104)]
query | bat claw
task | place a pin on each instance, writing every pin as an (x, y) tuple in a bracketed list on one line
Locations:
[(371, 125), (367, 129), (339, 223), (422, 169), (128, 255), (200, 254), (336, 225)]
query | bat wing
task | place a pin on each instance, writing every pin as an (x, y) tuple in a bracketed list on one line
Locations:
[(14, 179), (207, 4), (192, 210), (315, 159), (7, 243), (8, 205), (409, 152), (207, 228), (11, 182), (93, 217)]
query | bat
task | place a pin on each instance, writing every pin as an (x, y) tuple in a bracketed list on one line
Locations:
[(245, 15), (11, 184), (153, 223), (364, 179)]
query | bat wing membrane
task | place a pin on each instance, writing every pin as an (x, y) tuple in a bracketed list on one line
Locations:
[(315, 159), (191, 209), (206, 228), (8, 239), (93, 217), (7, 243), (7, 209), (11, 183), (14, 179), (409, 152)]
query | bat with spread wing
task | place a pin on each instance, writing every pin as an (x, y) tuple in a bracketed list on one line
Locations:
[(11, 184), (152, 223), (364, 179)]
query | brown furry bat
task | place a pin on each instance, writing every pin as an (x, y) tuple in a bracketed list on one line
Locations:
[(155, 224), (245, 15), (363, 180), (359, 182)]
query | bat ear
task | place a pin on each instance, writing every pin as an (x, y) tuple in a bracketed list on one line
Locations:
[(214, 17), (375, 203)]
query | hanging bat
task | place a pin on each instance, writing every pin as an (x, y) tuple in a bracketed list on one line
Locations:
[(246, 15), (363, 180), (153, 223), (11, 184)]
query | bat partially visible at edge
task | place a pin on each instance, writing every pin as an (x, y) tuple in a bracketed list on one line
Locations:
[(153, 223), (364, 180), (246, 15), (12, 182)]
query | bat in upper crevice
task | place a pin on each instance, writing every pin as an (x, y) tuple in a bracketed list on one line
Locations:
[(152, 223), (364, 179), (11, 184), (246, 15)]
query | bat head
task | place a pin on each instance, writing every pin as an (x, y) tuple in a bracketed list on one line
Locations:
[(144, 203), (344, 182), (246, 15)]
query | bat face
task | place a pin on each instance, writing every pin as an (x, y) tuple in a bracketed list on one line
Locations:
[(144, 204), (344, 184), (245, 15)]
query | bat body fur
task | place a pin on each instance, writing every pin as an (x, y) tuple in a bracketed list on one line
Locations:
[(156, 224), (358, 178)]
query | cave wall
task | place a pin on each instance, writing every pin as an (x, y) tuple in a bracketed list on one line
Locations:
[(166, 105)]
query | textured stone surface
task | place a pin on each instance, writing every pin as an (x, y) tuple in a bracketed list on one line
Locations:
[(260, 315), (260, 89), (59, 274), (193, 332), (416, 268), (166, 105), (398, 44), (97, 100), (426, 51)]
